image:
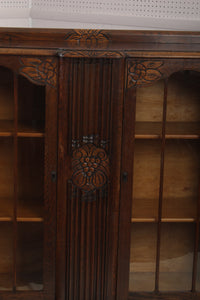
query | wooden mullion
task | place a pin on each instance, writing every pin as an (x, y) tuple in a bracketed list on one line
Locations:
[(196, 245), (161, 186), (15, 180)]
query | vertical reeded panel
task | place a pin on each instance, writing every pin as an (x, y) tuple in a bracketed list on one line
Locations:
[(89, 148)]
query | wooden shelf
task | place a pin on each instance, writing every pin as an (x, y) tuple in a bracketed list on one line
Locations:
[(163, 220), (29, 212), (174, 130), (24, 129), (146, 210)]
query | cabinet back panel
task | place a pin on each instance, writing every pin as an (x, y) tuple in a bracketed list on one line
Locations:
[(6, 94)]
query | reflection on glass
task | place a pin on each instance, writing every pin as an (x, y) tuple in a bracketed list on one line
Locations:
[(143, 257), (176, 256), (30, 256), (6, 256)]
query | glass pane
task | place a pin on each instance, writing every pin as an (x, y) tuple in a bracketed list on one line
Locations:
[(6, 179), (181, 179), (6, 256), (30, 256), (30, 203), (176, 256), (146, 179), (31, 107), (183, 104), (6, 100), (149, 104), (143, 257)]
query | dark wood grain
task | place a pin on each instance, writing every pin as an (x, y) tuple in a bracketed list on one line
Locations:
[(90, 104), (88, 39), (89, 220)]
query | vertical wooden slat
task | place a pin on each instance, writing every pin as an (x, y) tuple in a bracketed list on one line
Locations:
[(15, 180), (71, 243), (96, 96), (88, 250), (105, 232), (62, 191), (101, 87), (93, 250), (162, 157), (129, 109), (74, 101), (196, 245)]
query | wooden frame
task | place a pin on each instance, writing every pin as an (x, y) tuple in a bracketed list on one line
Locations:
[(91, 79)]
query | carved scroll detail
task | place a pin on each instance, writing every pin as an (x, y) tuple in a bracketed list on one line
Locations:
[(88, 37), (90, 166), (143, 72), (91, 53), (39, 71)]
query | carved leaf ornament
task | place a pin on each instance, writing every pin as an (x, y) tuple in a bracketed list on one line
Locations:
[(143, 72), (90, 166), (88, 37), (39, 71)]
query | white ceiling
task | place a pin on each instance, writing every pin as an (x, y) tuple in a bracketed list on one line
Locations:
[(105, 14)]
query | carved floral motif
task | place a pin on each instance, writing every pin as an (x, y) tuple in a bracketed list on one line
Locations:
[(39, 71), (91, 53), (88, 37), (143, 72), (90, 166)]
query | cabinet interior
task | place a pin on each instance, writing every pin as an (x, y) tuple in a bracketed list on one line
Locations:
[(165, 200), (22, 147)]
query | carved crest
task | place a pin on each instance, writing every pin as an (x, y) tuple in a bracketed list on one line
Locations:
[(143, 72), (39, 71), (90, 166), (88, 37)]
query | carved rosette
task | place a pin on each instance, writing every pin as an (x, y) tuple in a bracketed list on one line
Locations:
[(90, 166), (143, 72), (88, 37), (39, 71)]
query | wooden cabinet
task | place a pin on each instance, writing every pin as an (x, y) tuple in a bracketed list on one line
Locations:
[(99, 160), (28, 138)]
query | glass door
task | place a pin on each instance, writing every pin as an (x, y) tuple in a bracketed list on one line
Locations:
[(164, 251), (24, 201)]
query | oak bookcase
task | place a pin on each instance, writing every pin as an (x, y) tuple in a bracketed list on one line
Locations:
[(99, 165)]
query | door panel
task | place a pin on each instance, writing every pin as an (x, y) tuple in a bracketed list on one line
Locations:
[(160, 223), (28, 138), (89, 149)]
